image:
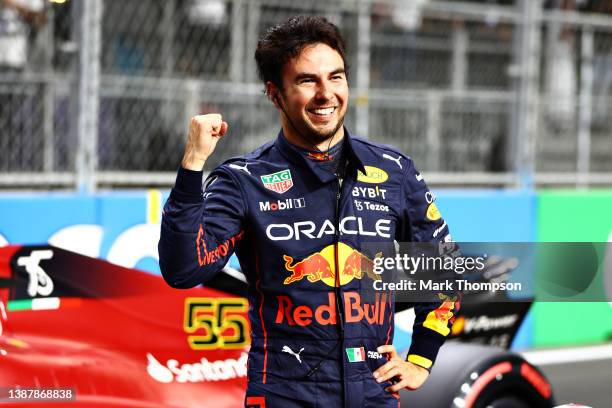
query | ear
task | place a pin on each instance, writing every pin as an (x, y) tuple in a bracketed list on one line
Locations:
[(273, 94)]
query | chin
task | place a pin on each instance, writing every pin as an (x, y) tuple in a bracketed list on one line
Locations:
[(324, 134)]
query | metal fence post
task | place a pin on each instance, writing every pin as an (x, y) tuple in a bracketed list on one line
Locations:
[(168, 60), (528, 91), (459, 66), (88, 80), (364, 41), (48, 91), (434, 116), (585, 106), (237, 55), (168, 27), (252, 35)]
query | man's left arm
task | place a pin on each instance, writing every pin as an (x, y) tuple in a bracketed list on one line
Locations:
[(421, 222)]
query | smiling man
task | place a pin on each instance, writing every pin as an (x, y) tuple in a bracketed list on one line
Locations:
[(312, 96), (298, 212)]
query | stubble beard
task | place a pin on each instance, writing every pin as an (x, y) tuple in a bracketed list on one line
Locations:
[(320, 137)]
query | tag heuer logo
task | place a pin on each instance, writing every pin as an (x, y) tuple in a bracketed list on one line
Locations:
[(280, 181)]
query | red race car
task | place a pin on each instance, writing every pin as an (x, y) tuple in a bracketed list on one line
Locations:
[(79, 329)]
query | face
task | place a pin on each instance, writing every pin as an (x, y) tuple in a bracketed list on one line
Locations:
[(315, 94)]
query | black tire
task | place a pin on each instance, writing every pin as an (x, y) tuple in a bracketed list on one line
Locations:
[(454, 368)]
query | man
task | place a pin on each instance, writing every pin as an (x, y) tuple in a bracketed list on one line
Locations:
[(295, 211)]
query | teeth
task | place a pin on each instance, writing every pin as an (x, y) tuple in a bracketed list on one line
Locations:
[(326, 111)]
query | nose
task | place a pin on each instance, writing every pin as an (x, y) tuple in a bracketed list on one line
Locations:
[(324, 91)]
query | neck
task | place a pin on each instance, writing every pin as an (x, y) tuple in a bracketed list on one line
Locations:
[(323, 145)]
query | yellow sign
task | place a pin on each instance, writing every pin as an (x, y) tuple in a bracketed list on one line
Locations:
[(373, 175)]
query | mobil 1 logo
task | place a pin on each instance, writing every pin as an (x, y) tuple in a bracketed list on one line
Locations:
[(279, 205)]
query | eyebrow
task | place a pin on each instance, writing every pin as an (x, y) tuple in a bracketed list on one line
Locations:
[(306, 75)]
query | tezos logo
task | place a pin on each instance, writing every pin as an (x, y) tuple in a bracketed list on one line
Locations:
[(287, 204)]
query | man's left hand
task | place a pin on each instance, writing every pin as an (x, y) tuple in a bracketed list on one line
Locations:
[(409, 375)]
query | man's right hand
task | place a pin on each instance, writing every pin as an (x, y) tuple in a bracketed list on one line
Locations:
[(204, 133)]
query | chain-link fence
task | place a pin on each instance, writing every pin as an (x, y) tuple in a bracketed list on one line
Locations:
[(99, 92)]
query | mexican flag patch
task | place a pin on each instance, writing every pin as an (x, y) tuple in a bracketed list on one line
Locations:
[(280, 181), (355, 354)]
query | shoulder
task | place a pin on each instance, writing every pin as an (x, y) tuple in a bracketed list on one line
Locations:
[(261, 160), (385, 154), (258, 154), (261, 153), (390, 159), (382, 151)]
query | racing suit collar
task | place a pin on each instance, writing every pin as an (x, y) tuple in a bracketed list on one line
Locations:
[(295, 156)]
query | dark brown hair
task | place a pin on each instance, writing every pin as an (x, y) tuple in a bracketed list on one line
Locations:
[(286, 40)]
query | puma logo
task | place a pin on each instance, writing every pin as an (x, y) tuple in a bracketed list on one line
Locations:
[(237, 167), (386, 156), (286, 349)]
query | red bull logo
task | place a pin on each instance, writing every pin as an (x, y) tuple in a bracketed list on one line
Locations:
[(438, 319), (320, 156), (325, 314), (320, 266), (444, 312)]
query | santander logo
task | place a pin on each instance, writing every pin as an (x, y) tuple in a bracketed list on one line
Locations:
[(201, 371)]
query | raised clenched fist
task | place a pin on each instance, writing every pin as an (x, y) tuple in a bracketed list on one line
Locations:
[(204, 133)]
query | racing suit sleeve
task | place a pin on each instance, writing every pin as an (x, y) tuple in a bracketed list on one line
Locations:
[(422, 222), (199, 230)]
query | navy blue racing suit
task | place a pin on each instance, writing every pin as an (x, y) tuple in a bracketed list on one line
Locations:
[(292, 224)]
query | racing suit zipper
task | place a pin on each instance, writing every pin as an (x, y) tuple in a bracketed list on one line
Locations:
[(337, 291), (339, 305), (337, 287)]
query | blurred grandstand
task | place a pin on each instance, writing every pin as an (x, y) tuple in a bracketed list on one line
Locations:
[(513, 93)]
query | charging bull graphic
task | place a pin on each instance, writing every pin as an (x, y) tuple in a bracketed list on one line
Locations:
[(320, 266)]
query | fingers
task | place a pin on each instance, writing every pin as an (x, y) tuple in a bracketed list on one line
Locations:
[(381, 374), (407, 375), (210, 124), (390, 368), (394, 371), (204, 133), (223, 130), (411, 377), (388, 348), (408, 383), (405, 383)]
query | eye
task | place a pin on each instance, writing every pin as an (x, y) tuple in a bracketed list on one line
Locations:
[(307, 80)]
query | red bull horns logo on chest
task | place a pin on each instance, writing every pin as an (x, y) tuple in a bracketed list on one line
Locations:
[(320, 266)]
